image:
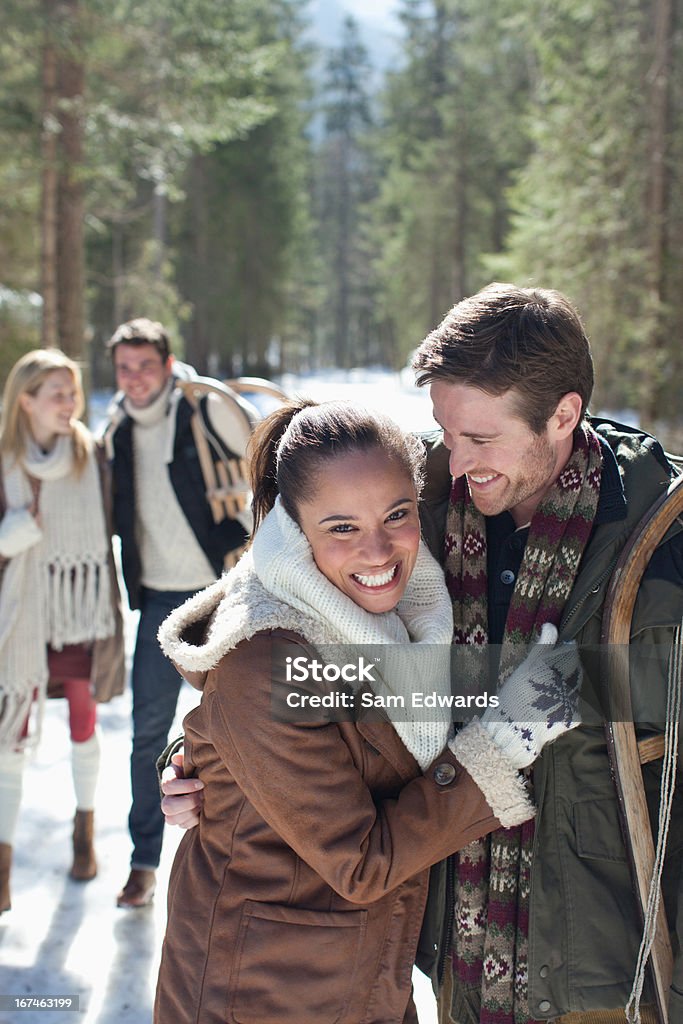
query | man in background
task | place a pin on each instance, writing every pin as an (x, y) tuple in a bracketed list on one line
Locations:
[(170, 546)]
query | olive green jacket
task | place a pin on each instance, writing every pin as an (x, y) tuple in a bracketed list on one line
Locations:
[(584, 929)]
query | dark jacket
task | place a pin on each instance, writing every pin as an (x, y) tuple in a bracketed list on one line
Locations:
[(215, 539), (584, 928), (108, 671)]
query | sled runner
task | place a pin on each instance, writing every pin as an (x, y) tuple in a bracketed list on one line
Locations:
[(627, 755), (225, 474), (256, 385)]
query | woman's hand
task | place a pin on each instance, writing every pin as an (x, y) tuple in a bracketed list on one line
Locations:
[(19, 531), (183, 797)]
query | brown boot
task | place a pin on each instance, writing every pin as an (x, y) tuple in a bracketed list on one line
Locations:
[(84, 866), (5, 865), (138, 890)]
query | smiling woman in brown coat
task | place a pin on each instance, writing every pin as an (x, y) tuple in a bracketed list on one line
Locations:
[(300, 896)]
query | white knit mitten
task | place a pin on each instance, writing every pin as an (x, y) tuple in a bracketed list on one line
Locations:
[(19, 531), (538, 702)]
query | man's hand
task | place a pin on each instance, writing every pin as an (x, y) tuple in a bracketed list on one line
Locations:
[(182, 797), (538, 702)]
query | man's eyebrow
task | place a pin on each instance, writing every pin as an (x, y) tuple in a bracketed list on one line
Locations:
[(471, 433), (479, 433), (146, 363)]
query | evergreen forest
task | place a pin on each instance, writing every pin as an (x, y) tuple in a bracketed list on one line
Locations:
[(280, 206)]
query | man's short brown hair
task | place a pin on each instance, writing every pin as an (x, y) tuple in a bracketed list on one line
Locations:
[(141, 331), (504, 337)]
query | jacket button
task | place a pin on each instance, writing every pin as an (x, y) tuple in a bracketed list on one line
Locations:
[(507, 576), (443, 774), (544, 1006), (544, 971)]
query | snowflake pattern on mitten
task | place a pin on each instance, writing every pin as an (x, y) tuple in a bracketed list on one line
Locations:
[(538, 702)]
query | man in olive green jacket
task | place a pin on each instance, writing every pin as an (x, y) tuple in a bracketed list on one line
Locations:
[(511, 376)]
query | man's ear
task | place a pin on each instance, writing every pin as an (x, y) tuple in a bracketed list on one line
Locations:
[(566, 417)]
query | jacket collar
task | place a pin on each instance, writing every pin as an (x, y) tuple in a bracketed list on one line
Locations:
[(634, 477), (612, 499)]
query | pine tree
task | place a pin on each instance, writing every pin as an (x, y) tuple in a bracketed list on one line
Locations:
[(244, 234), (451, 142), (597, 206), (345, 183)]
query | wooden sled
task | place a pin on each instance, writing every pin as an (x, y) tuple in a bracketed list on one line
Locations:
[(625, 753), (225, 477), (256, 385)]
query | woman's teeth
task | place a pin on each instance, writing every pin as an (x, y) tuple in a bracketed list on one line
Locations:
[(376, 581)]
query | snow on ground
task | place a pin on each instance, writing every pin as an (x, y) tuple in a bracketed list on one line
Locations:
[(392, 393), (68, 938)]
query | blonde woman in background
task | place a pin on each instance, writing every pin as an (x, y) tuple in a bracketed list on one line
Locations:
[(60, 622)]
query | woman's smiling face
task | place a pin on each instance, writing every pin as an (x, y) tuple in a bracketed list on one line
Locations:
[(51, 409), (362, 524)]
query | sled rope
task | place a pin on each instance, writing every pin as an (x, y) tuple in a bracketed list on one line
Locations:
[(666, 795)]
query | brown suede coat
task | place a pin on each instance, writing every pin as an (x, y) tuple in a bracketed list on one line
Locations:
[(299, 898)]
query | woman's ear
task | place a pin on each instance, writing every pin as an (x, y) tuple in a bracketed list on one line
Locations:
[(26, 402)]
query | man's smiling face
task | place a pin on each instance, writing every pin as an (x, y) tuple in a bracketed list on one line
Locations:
[(508, 466), (141, 373)]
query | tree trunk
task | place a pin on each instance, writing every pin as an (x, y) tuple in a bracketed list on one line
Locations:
[(159, 216), (198, 342), (342, 320), (459, 253), (117, 271), (49, 144), (658, 80), (70, 199)]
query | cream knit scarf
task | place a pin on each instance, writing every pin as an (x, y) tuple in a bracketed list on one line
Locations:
[(163, 406), (277, 585), (56, 592)]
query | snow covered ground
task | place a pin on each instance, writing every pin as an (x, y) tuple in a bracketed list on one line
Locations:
[(67, 938), (392, 393)]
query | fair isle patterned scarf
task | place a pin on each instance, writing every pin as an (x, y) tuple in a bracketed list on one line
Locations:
[(491, 925)]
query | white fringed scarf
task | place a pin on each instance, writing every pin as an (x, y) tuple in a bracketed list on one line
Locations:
[(277, 585), (56, 592)]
